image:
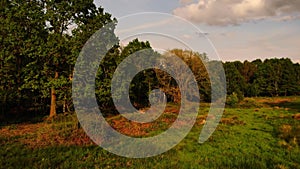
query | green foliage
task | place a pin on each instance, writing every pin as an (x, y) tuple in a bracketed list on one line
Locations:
[(235, 81), (22, 33), (272, 77), (232, 100), (40, 41), (140, 85)]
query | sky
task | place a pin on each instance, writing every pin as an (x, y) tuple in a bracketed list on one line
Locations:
[(226, 30)]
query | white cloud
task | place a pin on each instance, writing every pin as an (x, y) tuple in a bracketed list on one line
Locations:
[(231, 12), (286, 18), (186, 1)]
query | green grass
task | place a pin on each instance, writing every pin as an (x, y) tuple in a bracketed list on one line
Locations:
[(265, 139)]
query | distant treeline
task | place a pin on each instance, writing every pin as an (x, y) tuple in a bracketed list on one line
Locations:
[(38, 51), (271, 77)]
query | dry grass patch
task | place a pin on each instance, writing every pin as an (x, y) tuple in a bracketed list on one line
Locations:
[(44, 134)]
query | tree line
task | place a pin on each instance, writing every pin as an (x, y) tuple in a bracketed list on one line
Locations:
[(41, 40), (271, 77)]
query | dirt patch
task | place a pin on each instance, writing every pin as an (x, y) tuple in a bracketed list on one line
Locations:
[(130, 128), (21, 129), (135, 129), (289, 135), (45, 134), (232, 121), (274, 100), (296, 116), (64, 130)]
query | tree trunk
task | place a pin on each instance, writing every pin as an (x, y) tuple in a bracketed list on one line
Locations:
[(53, 99)]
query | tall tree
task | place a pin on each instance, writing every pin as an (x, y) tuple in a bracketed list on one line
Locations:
[(64, 44), (248, 72), (196, 63), (288, 80), (22, 27), (235, 81), (144, 81)]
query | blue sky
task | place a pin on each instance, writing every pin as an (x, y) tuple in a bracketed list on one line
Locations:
[(231, 30)]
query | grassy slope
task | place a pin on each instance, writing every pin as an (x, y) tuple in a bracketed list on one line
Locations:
[(265, 137)]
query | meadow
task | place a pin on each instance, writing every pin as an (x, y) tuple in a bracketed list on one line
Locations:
[(257, 133)]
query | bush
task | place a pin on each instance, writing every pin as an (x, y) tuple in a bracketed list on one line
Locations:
[(232, 100), (249, 103), (240, 95)]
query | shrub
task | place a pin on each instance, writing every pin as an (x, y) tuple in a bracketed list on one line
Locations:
[(249, 103), (232, 100)]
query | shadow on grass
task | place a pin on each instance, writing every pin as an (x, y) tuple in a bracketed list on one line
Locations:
[(24, 117)]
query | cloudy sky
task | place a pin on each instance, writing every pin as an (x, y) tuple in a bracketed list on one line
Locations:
[(228, 29)]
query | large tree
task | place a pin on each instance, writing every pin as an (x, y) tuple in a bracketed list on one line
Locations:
[(141, 84), (22, 28), (40, 41), (70, 24), (196, 62), (235, 81)]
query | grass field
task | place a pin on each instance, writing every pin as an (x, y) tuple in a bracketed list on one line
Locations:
[(258, 133)]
